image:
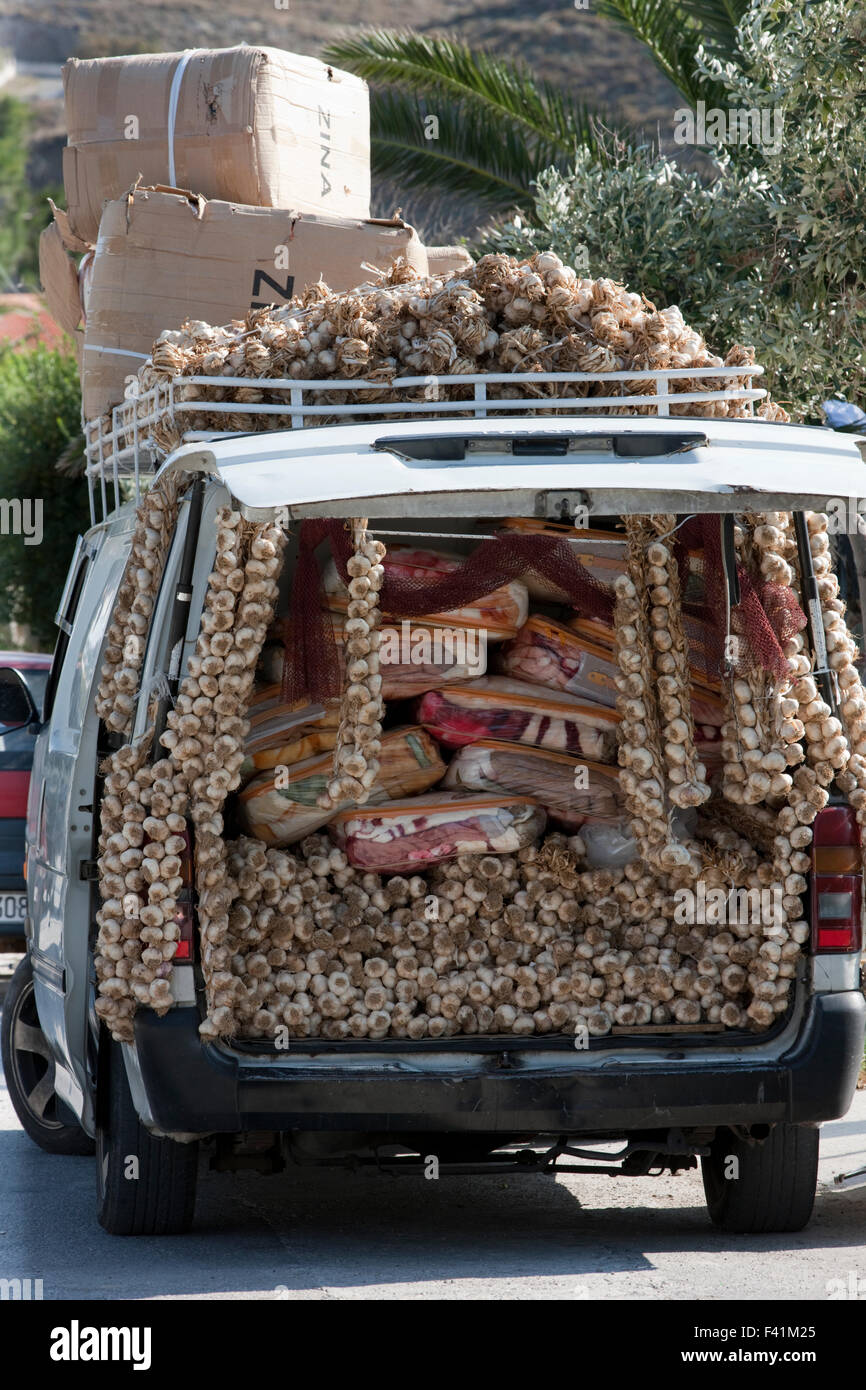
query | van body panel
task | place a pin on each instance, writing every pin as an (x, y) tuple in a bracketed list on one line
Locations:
[(207, 1088), (805, 1072), (60, 821), (744, 464)]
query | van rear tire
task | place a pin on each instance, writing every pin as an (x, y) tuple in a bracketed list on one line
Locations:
[(145, 1186), (771, 1187), (29, 1067)]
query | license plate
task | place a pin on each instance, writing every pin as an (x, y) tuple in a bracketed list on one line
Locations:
[(13, 908)]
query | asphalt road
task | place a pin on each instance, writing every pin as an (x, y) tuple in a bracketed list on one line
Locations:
[(322, 1234)]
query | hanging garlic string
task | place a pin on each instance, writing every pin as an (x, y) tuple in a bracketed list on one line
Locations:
[(760, 737), (842, 655), (207, 727), (686, 775), (138, 882), (137, 936), (133, 605), (356, 752), (641, 756)]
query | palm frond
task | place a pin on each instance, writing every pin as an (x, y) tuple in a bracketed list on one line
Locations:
[(438, 68), (673, 30), (716, 21), (71, 461), (469, 155)]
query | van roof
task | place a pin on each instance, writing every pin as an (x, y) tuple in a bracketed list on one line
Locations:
[(497, 467)]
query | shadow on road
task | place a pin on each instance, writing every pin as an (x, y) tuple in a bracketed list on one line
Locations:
[(310, 1231)]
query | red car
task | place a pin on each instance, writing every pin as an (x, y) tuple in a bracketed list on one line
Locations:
[(23, 678)]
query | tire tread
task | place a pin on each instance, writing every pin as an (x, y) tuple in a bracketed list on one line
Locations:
[(162, 1200), (68, 1139), (776, 1187)]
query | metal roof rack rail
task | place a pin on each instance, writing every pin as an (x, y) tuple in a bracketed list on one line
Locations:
[(121, 449)]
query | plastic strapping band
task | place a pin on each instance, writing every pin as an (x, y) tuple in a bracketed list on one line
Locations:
[(116, 352), (173, 100)]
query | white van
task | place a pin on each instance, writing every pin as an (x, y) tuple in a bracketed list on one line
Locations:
[(485, 1104)]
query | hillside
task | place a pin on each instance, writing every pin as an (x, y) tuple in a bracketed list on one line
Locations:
[(572, 47)]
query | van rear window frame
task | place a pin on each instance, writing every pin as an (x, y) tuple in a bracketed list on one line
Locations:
[(66, 617)]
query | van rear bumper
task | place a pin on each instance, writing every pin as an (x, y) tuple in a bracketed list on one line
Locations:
[(202, 1088)]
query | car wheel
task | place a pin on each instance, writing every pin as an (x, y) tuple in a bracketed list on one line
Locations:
[(28, 1065), (145, 1185), (760, 1187)]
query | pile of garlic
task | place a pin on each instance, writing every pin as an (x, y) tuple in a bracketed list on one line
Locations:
[(530, 943), (501, 315), (521, 944)]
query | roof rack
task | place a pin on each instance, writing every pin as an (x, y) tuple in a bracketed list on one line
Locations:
[(121, 448)]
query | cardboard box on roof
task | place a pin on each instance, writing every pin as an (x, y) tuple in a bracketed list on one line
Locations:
[(60, 277), (166, 255), (254, 125), (445, 260)]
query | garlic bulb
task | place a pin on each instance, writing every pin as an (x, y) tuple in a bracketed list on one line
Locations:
[(521, 944)]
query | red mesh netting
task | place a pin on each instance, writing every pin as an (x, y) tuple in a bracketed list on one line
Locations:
[(767, 615), (311, 666)]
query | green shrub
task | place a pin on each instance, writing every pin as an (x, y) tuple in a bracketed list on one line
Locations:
[(39, 416), (769, 250), (23, 210)]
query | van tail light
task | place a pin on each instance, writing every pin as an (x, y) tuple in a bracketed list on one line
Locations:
[(837, 881), (184, 919), (184, 914)]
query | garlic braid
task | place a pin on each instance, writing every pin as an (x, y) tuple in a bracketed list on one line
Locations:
[(762, 732), (686, 775), (772, 970), (358, 744), (833, 752), (137, 859), (641, 754), (842, 655), (133, 605), (206, 729)]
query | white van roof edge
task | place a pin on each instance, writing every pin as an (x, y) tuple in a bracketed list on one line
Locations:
[(737, 465)]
